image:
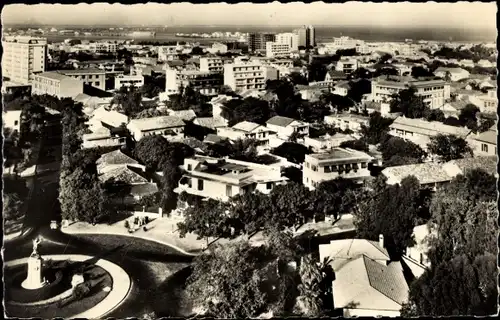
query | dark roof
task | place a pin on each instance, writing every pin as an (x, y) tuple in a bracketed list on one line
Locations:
[(213, 138), (143, 189), (280, 121), (334, 74)]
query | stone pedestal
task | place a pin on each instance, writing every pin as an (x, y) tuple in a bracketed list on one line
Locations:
[(34, 280)]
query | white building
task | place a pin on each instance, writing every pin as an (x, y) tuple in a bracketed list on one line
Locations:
[(434, 92), (247, 75), (338, 162), (211, 64), (23, 56), (93, 77), (102, 47), (246, 130), (172, 128), (136, 80), (289, 38), (455, 74), (277, 50), (168, 53), (284, 127), (218, 47), (346, 65), (346, 42), (205, 82), (12, 119), (56, 84)]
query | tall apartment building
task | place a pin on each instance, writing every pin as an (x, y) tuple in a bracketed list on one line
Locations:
[(56, 84), (23, 56), (257, 41), (339, 162), (93, 77), (434, 92), (248, 75), (289, 38), (307, 36), (205, 82), (277, 50), (211, 64)]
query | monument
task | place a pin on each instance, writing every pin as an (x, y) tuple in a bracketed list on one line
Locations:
[(35, 279)]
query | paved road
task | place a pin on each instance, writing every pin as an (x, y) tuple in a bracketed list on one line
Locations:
[(133, 255)]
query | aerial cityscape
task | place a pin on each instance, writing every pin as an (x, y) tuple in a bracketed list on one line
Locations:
[(249, 160)]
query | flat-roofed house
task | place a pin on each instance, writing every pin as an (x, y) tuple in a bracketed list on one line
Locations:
[(327, 141), (284, 127), (338, 162), (366, 282), (455, 74), (246, 130), (92, 76), (349, 121), (172, 128), (420, 131), (222, 179)]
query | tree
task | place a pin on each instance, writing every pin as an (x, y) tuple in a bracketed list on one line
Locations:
[(420, 72), (197, 51), (128, 100), (458, 287), (449, 147), (468, 116), (12, 205), (292, 173), (152, 151), (395, 148), (359, 88), (150, 113), (291, 205), (434, 115), (298, 78), (250, 212), (206, 220), (452, 121), (392, 212), (227, 282), (293, 152), (377, 128), (355, 144), (250, 109), (407, 102), (334, 197)]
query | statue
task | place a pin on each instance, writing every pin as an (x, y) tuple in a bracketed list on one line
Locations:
[(36, 242)]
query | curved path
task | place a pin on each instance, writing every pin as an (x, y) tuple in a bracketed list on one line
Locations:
[(121, 284)]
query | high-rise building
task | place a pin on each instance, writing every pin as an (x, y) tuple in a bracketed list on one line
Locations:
[(22, 56), (248, 75), (289, 38), (257, 41), (307, 36), (277, 50)]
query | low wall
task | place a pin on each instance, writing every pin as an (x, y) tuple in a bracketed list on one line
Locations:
[(122, 284)]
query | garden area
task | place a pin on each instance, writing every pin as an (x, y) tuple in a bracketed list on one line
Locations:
[(62, 300)]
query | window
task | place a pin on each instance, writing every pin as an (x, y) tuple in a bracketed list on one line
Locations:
[(327, 169), (314, 168), (363, 165), (189, 167), (97, 83), (484, 147), (16, 123), (229, 191), (269, 185), (200, 185), (307, 165)]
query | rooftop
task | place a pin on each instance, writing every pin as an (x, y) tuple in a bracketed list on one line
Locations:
[(429, 128), (124, 174), (489, 136), (82, 71), (486, 163), (280, 121), (426, 173), (157, 123), (114, 158), (246, 126), (338, 154), (54, 75)]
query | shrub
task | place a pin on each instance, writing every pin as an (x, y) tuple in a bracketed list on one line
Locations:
[(127, 224)]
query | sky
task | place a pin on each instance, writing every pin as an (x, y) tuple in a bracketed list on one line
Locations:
[(476, 15)]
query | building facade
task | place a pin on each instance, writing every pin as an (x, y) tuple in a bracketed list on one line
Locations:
[(23, 56), (93, 77), (248, 75), (339, 162), (222, 179), (135, 80), (206, 82), (212, 64), (56, 84), (307, 36), (434, 92), (168, 53), (289, 38), (277, 50), (257, 41)]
